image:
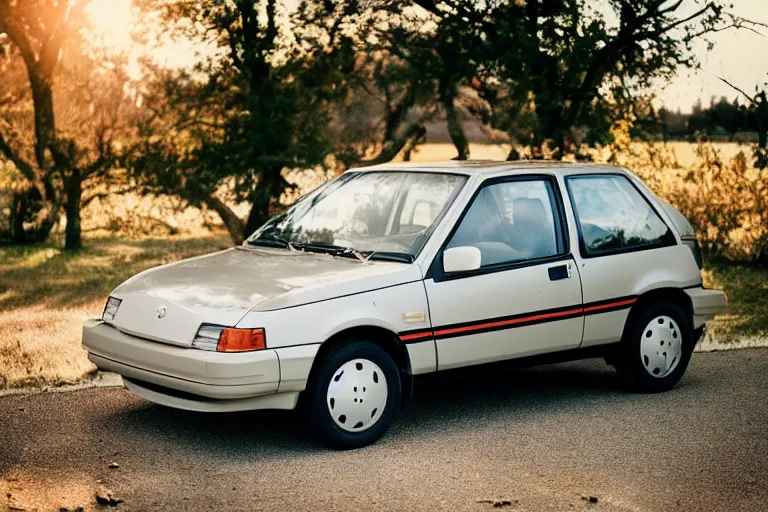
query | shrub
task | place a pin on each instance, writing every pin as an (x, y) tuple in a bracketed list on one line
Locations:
[(726, 201)]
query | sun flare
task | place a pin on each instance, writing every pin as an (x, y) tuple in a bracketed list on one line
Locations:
[(112, 22)]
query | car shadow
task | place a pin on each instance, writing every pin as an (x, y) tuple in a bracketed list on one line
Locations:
[(440, 405)]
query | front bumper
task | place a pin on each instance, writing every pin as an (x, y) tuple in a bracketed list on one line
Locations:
[(706, 304), (199, 375)]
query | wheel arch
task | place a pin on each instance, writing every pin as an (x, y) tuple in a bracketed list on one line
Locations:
[(386, 339), (675, 295)]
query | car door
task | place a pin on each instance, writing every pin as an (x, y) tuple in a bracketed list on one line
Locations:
[(525, 297), (624, 247)]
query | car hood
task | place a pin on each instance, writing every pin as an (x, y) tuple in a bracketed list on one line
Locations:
[(168, 303)]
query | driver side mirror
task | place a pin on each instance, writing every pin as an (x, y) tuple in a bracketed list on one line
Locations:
[(461, 259)]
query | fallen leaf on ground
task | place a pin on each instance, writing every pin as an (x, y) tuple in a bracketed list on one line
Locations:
[(590, 499), (113, 465), (14, 506), (498, 503), (105, 496)]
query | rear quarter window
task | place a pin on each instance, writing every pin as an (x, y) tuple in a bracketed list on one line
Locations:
[(614, 217)]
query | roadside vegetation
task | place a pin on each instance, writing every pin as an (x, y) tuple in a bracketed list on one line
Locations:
[(746, 288)]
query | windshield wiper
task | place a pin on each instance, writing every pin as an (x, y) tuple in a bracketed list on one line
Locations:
[(322, 247), (401, 257), (363, 256), (332, 249), (270, 241)]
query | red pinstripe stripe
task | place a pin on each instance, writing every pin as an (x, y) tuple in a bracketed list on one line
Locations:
[(610, 305), (416, 336), (501, 323), (515, 321)]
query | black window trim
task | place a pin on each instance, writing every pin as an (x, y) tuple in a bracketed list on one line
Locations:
[(671, 241), (435, 270)]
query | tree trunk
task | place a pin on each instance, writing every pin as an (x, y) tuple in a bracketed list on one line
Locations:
[(513, 155), (259, 213), (271, 185), (19, 212), (232, 222), (45, 124), (45, 134), (74, 194), (455, 128)]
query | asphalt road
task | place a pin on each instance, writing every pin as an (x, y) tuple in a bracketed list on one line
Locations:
[(544, 437)]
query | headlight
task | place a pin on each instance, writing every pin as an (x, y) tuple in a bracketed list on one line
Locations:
[(225, 339), (110, 310), (207, 337)]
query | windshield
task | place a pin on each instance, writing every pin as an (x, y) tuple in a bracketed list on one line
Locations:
[(382, 212)]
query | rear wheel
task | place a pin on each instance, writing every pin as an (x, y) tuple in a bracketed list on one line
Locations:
[(656, 348), (355, 395)]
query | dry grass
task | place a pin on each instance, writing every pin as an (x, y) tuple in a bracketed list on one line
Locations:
[(46, 294)]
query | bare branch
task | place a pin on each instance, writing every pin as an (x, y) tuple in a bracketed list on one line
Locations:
[(22, 165), (692, 17), (671, 8), (103, 195), (729, 84)]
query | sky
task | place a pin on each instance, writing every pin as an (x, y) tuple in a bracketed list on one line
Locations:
[(740, 56)]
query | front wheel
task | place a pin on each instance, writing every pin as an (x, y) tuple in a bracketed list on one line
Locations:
[(656, 348), (355, 395)]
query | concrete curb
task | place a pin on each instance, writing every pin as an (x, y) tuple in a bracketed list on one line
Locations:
[(710, 344), (97, 380)]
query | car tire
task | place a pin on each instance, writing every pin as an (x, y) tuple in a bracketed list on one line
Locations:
[(350, 374), (655, 349)]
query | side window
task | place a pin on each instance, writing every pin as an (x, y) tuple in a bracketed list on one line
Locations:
[(614, 217), (511, 222)]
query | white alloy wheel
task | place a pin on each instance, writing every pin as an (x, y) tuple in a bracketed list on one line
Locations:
[(661, 346), (357, 395)]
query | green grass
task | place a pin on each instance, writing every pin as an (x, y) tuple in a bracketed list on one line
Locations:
[(746, 288), (46, 274), (47, 293)]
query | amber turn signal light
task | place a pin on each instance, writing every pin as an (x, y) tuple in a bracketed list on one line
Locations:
[(242, 340)]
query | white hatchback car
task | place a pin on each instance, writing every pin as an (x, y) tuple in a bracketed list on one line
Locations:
[(393, 271)]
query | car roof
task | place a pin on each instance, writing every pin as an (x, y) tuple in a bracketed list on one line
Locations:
[(481, 167)]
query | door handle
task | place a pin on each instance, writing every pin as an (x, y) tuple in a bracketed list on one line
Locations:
[(559, 272)]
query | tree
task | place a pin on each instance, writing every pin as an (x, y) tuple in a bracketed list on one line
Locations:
[(37, 31), (731, 117), (72, 145), (564, 64), (283, 88), (231, 126), (758, 113)]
